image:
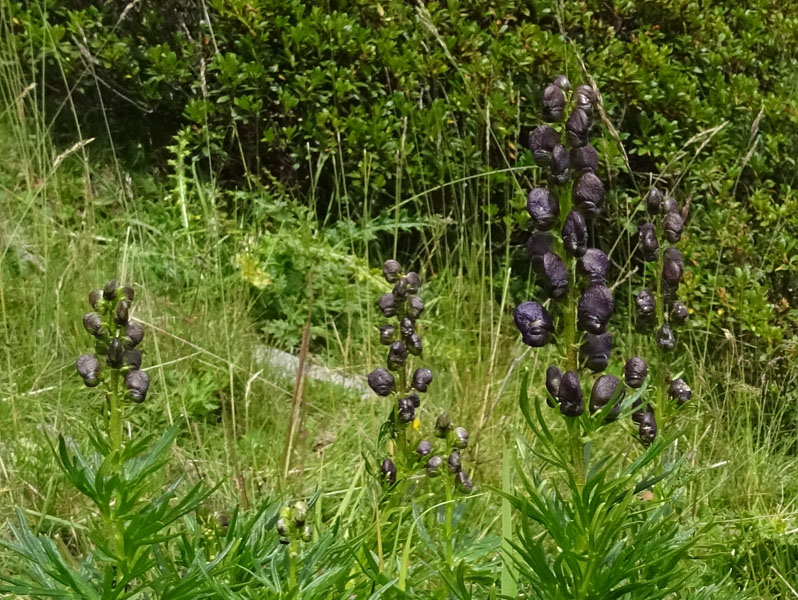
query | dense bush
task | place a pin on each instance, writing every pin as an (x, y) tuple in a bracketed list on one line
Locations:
[(378, 101)]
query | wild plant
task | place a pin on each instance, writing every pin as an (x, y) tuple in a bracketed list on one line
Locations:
[(132, 545), (590, 526)]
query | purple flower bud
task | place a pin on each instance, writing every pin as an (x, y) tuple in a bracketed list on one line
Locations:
[(534, 323), (454, 462), (654, 201), (464, 483), (635, 372), (94, 324), (397, 355), (674, 255), (542, 141), (94, 298), (415, 306), (646, 304), (391, 270), (586, 98), (679, 312), (559, 164), (413, 282), (122, 313), (594, 309), (553, 379), (381, 381), (89, 369), (109, 291), (137, 384), (424, 448), (671, 274), (433, 466), (543, 207), (387, 333), (570, 395), (561, 81), (422, 377), (443, 425), (647, 238), (577, 128), (538, 244), (669, 205), (574, 234), (132, 358), (405, 410), (127, 292), (387, 304), (595, 351), (673, 226), (115, 354), (647, 428), (400, 289), (388, 471), (415, 345), (680, 391), (665, 338), (584, 158), (603, 391), (553, 103), (594, 265), (134, 333), (588, 193), (555, 275), (407, 327), (460, 438)]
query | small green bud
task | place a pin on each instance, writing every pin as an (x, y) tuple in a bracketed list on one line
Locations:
[(300, 513)]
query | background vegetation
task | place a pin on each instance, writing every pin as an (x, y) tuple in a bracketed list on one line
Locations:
[(218, 153)]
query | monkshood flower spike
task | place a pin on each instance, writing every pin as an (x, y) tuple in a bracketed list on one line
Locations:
[(401, 380)]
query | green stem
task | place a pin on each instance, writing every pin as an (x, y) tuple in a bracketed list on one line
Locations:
[(292, 566), (447, 526)]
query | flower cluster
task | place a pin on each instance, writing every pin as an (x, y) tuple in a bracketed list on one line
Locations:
[(116, 339), (292, 526), (403, 308)]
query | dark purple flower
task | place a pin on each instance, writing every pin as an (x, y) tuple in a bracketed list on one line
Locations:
[(94, 324), (553, 379), (671, 274), (594, 309), (673, 226), (443, 425), (594, 265), (455, 462), (137, 383), (115, 354), (405, 410), (424, 448), (433, 466), (415, 306), (407, 327), (680, 391), (388, 471), (538, 244), (604, 390), (460, 438), (397, 355), (534, 323), (654, 201), (89, 369), (669, 205), (388, 303), (665, 338), (646, 304), (556, 275), (561, 81), (679, 312), (134, 333), (391, 269), (574, 234), (94, 298), (543, 207), (414, 345), (464, 483), (381, 381), (577, 128), (109, 291), (595, 351), (387, 333), (541, 142), (647, 238), (585, 98), (584, 158), (569, 395), (588, 193), (647, 427), (559, 164), (413, 282), (553, 103), (635, 372), (422, 377)]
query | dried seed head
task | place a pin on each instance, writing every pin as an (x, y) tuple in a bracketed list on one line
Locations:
[(397, 355), (561, 81), (674, 226), (454, 463), (594, 309), (680, 391), (415, 306), (381, 381), (603, 391), (635, 372), (94, 298), (443, 425), (388, 471), (553, 379), (584, 158), (646, 304), (555, 275), (647, 238), (137, 383), (433, 466), (679, 312), (109, 291), (94, 324), (559, 164), (387, 333), (570, 395), (534, 323), (543, 207), (574, 234), (672, 274), (594, 265), (422, 377), (413, 282), (134, 333), (388, 303), (541, 142), (647, 427), (460, 438), (588, 193), (665, 338), (414, 345), (391, 269), (553, 103), (577, 128), (595, 351), (405, 410), (464, 483), (538, 244), (116, 353), (654, 201), (424, 448), (89, 369)]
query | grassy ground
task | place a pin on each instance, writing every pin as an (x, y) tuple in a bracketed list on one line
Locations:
[(72, 218)]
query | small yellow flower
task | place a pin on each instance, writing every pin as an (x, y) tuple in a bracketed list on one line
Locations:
[(416, 425)]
